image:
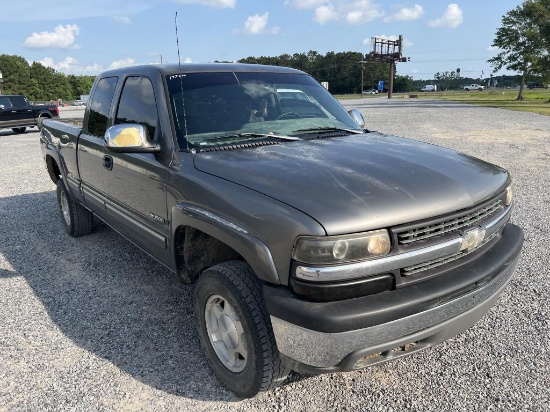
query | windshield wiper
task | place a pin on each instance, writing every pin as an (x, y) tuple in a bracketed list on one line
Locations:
[(327, 129), (262, 135)]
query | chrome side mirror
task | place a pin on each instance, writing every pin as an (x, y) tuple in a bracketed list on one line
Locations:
[(129, 138), (358, 117)]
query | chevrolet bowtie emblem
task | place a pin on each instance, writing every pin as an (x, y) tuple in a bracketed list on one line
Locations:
[(472, 238)]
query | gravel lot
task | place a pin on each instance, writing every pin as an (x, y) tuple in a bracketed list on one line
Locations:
[(95, 324)]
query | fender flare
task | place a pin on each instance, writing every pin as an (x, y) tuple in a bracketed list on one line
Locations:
[(250, 247)]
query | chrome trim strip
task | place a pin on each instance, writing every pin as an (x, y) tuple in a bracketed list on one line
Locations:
[(371, 267), (496, 221)]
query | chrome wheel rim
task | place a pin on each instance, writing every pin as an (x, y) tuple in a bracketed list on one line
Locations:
[(226, 333), (65, 208)]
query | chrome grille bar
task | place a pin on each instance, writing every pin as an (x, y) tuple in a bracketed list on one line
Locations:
[(430, 231)]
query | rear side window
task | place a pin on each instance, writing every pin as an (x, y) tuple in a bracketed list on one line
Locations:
[(100, 105), (18, 101), (5, 101), (137, 104)]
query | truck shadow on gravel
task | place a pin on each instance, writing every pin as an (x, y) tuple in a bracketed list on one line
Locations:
[(108, 297)]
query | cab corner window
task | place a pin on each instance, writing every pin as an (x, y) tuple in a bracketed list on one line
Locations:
[(100, 104)]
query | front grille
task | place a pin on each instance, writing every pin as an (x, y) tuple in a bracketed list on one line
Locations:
[(452, 225), (411, 270)]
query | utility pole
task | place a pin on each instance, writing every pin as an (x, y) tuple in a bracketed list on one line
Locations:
[(1, 84), (362, 62)]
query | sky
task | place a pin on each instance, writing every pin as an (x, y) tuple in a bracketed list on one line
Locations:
[(87, 37)]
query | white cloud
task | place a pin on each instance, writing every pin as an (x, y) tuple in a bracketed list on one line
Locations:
[(406, 14), (122, 19), (62, 37), (218, 4), (122, 63), (452, 18), (324, 14), (305, 4), (256, 24), (351, 12), (62, 66)]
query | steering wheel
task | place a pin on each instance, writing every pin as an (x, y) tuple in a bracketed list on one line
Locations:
[(289, 115)]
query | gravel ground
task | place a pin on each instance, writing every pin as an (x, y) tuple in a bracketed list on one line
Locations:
[(94, 324)]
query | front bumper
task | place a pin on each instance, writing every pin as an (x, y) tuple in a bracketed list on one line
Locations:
[(356, 333)]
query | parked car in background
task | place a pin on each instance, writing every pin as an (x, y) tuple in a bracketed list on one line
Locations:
[(370, 91), (429, 88), (18, 114), (474, 87)]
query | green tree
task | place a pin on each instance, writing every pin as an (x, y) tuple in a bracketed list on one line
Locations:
[(16, 73), (520, 45), (403, 84)]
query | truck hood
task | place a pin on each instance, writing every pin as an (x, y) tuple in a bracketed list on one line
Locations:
[(360, 182)]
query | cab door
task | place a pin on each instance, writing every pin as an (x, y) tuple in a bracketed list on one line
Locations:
[(135, 183), (23, 113)]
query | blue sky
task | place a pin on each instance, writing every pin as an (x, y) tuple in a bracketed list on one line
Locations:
[(86, 37)]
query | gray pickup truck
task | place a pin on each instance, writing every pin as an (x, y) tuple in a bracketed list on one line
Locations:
[(314, 245), (18, 114)]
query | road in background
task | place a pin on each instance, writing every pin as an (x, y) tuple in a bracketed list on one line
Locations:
[(94, 324)]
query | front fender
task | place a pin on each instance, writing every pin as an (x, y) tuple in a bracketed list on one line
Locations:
[(252, 249)]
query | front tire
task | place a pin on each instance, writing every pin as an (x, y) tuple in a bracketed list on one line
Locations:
[(235, 330), (77, 220), (19, 130)]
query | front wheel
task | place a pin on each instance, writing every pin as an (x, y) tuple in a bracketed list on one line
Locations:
[(77, 220), (235, 330)]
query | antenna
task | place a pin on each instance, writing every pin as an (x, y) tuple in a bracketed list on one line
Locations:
[(181, 85), (177, 40)]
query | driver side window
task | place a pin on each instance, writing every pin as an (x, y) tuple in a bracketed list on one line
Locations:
[(137, 105)]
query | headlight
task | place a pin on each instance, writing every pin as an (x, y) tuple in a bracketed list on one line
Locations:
[(509, 195), (339, 249)]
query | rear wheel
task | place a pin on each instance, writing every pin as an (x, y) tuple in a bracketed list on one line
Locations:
[(19, 129), (77, 220), (235, 330)]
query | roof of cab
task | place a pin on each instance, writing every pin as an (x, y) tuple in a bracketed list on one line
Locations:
[(169, 69)]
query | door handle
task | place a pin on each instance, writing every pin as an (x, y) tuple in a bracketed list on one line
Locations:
[(108, 162)]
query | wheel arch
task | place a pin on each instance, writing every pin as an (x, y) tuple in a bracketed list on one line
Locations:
[(203, 239), (53, 168)]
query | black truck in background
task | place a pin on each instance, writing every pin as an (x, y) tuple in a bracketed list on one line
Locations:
[(314, 245), (17, 113)]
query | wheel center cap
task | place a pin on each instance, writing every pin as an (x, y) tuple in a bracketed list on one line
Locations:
[(230, 335)]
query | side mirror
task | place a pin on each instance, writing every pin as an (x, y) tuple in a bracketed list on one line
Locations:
[(129, 138), (358, 117)]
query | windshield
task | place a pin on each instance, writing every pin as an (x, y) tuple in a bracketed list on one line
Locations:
[(212, 109)]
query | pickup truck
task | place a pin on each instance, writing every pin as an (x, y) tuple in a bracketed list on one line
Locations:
[(313, 244), (474, 87), (16, 113)]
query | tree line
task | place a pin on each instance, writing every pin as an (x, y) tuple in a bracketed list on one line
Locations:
[(346, 72), (40, 83)]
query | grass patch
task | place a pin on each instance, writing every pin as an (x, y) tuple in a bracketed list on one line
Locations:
[(536, 101)]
